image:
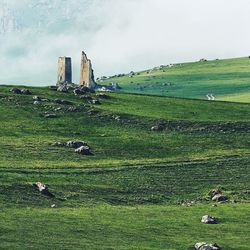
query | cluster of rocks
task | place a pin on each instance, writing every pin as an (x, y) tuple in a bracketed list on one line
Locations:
[(217, 195), (38, 100), (20, 91), (80, 147), (82, 90), (113, 86), (206, 246)]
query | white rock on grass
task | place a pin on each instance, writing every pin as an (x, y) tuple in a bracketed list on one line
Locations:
[(84, 150), (75, 144), (206, 219), (206, 246)]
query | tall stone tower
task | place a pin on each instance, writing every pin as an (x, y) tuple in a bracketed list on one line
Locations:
[(64, 70), (87, 75)]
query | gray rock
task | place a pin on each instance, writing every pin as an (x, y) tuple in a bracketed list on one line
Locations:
[(157, 128), (37, 98), (75, 144), (36, 102), (214, 192), (26, 92), (85, 150), (79, 91), (43, 189), (57, 109), (63, 88), (206, 246), (206, 219), (50, 116), (220, 197), (16, 91)]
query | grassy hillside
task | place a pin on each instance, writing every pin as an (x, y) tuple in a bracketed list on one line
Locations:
[(132, 193), (227, 80)]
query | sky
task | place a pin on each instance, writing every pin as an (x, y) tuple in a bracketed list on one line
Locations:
[(117, 35)]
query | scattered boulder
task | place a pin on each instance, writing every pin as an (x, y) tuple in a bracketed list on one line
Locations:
[(96, 102), (26, 92), (103, 96), (217, 195), (20, 91), (16, 91), (206, 246), (37, 98), (63, 88), (116, 117), (79, 91), (57, 109), (157, 128), (36, 102), (86, 89), (63, 102), (85, 150), (43, 189), (214, 192), (206, 219), (75, 144), (50, 116), (220, 197)]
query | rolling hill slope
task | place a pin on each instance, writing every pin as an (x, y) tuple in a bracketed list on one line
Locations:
[(227, 80), (135, 191)]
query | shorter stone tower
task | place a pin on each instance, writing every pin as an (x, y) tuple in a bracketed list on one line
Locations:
[(87, 75), (64, 70)]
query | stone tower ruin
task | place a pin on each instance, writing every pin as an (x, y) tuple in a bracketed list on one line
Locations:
[(87, 75), (64, 70)]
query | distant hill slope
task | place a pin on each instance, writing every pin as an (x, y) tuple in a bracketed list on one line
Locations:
[(227, 80)]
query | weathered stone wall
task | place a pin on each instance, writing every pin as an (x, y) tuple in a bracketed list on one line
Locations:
[(64, 70), (86, 74)]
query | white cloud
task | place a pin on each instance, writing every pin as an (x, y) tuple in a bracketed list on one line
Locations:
[(120, 36)]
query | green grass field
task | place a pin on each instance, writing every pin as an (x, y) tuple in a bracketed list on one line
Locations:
[(226, 79), (130, 193)]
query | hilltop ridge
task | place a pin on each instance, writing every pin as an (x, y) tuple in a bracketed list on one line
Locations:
[(227, 80)]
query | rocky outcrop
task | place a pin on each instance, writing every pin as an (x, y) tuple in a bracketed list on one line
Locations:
[(87, 74), (20, 91)]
